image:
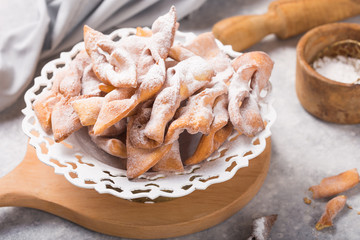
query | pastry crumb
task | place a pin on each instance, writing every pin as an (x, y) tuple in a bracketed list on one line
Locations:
[(307, 200)]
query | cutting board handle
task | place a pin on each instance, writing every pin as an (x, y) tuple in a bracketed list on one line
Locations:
[(285, 18), (17, 187), (34, 184)]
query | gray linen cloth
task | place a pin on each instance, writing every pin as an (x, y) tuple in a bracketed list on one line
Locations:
[(34, 30)]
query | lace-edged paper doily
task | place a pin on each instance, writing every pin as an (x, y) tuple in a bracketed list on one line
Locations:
[(86, 166)]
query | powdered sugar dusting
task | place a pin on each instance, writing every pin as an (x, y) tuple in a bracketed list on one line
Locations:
[(262, 227), (252, 73), (182, 81), (163, 34), (221, 115), (197, 115), (205, 46), (90, 83)]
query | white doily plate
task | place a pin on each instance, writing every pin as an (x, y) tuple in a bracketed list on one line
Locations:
[(86, 166)]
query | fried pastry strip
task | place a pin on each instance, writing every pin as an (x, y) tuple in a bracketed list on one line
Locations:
[(220, 130), (109, 140), (262, 66), (43, 107), (205, 46), (113, 131), (336, 184), (113, 146), (333, 207), (136, 132), (197, 115), (140, 160), (115, 110), (112, 64), (163, 33), (67, 82), (171, 162), (180, 53), (253, 70), (90, 84), (88, 109), (64, 119), (183, 80)]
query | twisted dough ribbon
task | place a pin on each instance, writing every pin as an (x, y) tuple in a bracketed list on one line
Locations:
[(252, 73)]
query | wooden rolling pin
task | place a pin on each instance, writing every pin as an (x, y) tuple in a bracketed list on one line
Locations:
[(285, 18)]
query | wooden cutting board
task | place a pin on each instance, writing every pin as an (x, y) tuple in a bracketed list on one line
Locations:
[(35, 185)]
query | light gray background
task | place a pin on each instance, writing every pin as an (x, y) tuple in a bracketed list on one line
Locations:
[(304, 151)]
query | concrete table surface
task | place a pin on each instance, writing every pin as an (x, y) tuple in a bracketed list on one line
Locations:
[(304, 151)]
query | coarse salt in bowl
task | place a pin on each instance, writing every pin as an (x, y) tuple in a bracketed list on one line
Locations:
[(86, 166)]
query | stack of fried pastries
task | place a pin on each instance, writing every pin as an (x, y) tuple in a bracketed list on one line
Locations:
[(137, 95)]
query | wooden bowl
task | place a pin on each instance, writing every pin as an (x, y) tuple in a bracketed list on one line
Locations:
[(324, 98)]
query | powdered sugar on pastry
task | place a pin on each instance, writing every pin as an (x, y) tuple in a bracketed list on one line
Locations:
[(140, 160), (262, 64), (136, 132), (90, 83), (111, 64), (43, 107), (163, 32), (117, 64), (205, 46), (197, 115), (239, 90), (221, 116), (64, 119), (252, 74), (66, 83), (182, 81), (70, 84), (219, 132)]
